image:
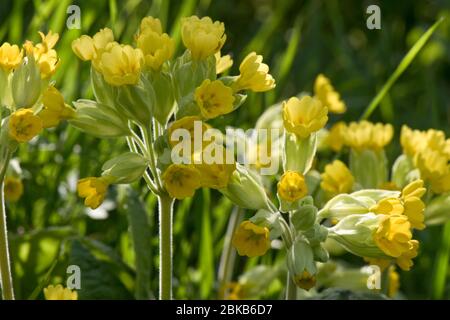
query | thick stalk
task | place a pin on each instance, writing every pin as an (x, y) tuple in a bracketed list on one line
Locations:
[(5, 266), (291, 288), (165, 203)]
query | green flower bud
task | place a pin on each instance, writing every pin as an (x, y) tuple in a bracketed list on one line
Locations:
[(99, 120), (299, 153), (301, 265), (271, 118), (26, 83), (103, 92), (5, 89), (369, 167), (246, 190), (304, 217), (126, 168), (400, 170), (164, 101), (316, 234), (437, 210), (320, 253)]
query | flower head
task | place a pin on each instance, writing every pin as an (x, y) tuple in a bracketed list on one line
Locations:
[(214, 98), (44, 54), (58, 292), (366, 135), (292, 186), (393, 235), (54, 109), (202, 37), (120, 64), (151, 24), (94, 190), (24, 125), (304, 116), (254, 75), (13, 188), (87, 48), (337, 178), (181, 180), (251, 240), (10, 56), (324, 91)]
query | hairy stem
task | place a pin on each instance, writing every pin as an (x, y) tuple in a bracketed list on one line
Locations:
[(165, 203)]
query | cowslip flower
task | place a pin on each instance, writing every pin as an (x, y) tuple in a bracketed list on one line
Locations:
[(189, 124), (157, 47), (181, 181), (292, 186), (120, 64), (324, 91), (254, 75), (393, 235), (223, 63), (90, 49), (13, 188), (337, 178), (202, 37), (214, 98), (366, 135), (216, 175), (304, 116), (305, 280), (54, 109), (58, 292), (10, 56), (251, 240), (44, 54), (24, 125), (94, 190), (335, 137)]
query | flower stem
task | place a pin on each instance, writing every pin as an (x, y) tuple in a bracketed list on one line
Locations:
[(5, 266), (165, 203), (291, 288)]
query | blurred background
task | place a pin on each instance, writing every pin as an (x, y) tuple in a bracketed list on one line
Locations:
[(50, 228)]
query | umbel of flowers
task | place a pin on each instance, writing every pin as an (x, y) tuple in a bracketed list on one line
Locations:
[(146, 95), (29, 103)]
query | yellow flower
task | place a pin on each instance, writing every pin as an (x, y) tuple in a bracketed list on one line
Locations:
[(202, 37), (181, 180), (87, 48), (214, 98), (187, 123), (254, 75), (292, 186), (24, 125), (393, 235), (304, 116), (54, 109), (120, 64), (337, 178), (44, 54), (305, 280), (13, 189), (48, 41), (234, 291), (366, 135), (412, 141), (223, 63), (94, 190), (394, 282), (10, 56), (324, 91), (382, 263), (215, 175), (431, 163), (335, 138), (58, 292), (405, 260), (251, 240), (157, 47)]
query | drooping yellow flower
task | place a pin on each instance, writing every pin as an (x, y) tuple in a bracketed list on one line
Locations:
[(181, 181), (58, 292), (157, 47), (13, 188), (292, 186), (10, 56), (337, 178), (54, 109), (251, 240), (223, 63), (405, 260), (24, 125), (324, 91), (87, 48), (394, 282), (94, 190), (120, 64), (305, 280), (202, 37), (366, 135), (393, 235), (304, 116), (189, 124), (335, 138), (254, 75), (214, 98)]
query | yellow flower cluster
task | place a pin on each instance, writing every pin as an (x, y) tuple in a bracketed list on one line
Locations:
[(58, 292), (251, 240), (336, 179), (367, 135), (430, 152), (324, 91), (292, 186), (44, 54)]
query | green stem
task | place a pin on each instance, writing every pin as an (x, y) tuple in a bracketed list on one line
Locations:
[(165, 203), (5, 266), (291, 288)]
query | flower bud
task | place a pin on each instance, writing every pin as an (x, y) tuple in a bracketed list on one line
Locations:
[(301, 265), (369, 167), (304, 217), (104, 93), (26, 83), (126, 168), (136, 102), (401, 169), (299, 152), (164, 99)]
